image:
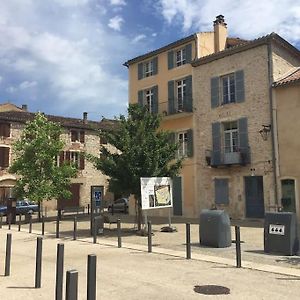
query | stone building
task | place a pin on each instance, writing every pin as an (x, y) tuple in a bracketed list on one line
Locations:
[(79, 135), (215, 93)]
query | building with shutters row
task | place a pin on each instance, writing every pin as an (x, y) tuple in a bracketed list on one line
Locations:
[(79, 135), (218, 95)]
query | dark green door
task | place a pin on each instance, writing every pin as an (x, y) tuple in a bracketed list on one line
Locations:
[(177, 196), (288, 195), (254, 191)]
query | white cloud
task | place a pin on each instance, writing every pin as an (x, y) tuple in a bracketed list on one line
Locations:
[(116, 23), (248, 19), (118, 2), (139, 38), (27, 84)]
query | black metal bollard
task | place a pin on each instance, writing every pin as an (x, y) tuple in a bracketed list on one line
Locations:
[(91, 277), (9, 221), (95, 232), (59, 272), (43, 225), (38, 262), (8, 255), (72, 285), (30, 223), (1, 220), (88, 208), (149, 237), (75, 229), (57, 227), (19, 224), (119, 233), (238, 247), (188, 240)]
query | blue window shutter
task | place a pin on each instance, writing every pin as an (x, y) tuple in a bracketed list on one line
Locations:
[(155, 65), (170, 60), (221, 191), (140, 71), (155, 100), (215, 91), (239, 86), (141, 98), (243, 139), (188, 101), (171, 97), (216, 143), (190, 144), (188, 53)]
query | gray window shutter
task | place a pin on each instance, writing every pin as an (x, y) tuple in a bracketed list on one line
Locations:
[(188, 53), (243, 139), (216, 141), (239, 86), (141, 98), (177, 196), (215, 91), (171, 97), (221, 191), (170, 60), (155, 100), (140, 71), (190, 144), (188, 101), (155, 65)]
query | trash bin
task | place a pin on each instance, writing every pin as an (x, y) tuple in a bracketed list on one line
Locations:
[(99, 223), (215, 228), (280, 233)]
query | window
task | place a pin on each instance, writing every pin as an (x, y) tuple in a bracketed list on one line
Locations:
[(4, 129), (148, 68), (180, 57), (77, 136), (74, 157), (221, 191), (149, 99), (231, 139), (183, 144), (4, 157), (181, 93), (228, 89)]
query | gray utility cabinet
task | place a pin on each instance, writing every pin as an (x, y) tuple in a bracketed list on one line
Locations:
[(214, 228), (280, 233)]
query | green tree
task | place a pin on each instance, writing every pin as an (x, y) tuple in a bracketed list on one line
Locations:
[(136, 148), (40, 177)]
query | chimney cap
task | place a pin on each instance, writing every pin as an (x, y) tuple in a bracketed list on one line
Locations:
[(85, 114), (220, 20), (24, 107)]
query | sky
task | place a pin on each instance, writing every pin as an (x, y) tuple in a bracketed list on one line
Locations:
[(65, 57)]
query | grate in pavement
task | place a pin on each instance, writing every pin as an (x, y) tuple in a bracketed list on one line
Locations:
[(211, 290)]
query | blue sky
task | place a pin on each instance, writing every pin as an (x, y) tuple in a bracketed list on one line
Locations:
[(64, 57)]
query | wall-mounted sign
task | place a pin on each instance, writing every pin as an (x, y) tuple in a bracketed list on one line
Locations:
[(276, 229), (156, 192)]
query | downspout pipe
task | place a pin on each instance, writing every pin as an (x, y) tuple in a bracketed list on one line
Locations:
[(273, 127)]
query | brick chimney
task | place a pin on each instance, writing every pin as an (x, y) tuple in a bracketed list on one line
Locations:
[(85, 114), (24, 107), (220, 33)]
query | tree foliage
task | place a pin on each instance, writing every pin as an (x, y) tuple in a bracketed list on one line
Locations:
[(136, 148), (36, 162)]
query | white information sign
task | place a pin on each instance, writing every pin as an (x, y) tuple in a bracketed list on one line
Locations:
[(156, 192)]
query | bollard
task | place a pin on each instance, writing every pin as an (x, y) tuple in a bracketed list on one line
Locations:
[(1, 220), (75, 229), (95, 232), (149, 237), (38, 262), (72, 285), (119, 233), (9, 222), (43, 225), (91, 277), (88, 207), (19, 224), (238, 247), (8, 255), (30, 223), (57, 227), (59, 272), (188, 240)]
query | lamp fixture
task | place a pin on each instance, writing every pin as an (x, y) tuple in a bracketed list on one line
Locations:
[(264, 132)]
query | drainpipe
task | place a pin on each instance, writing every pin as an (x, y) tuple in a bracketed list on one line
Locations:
[(273, 122)]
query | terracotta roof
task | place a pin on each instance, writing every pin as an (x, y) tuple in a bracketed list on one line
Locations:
[(22, 117), (246, 46), (231, 42), (292, 77)]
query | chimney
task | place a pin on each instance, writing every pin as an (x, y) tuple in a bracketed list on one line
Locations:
[(220, 33), (24, 107), (85, 117)]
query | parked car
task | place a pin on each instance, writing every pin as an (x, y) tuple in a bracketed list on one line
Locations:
[(119, 205), (22, 207)]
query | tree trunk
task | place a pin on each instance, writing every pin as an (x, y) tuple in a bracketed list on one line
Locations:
[(138, 212)]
